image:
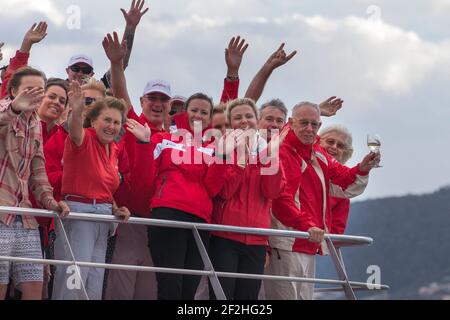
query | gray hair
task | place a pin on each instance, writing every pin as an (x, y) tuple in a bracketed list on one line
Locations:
[(348, 139), (306, 104), (275, 103)]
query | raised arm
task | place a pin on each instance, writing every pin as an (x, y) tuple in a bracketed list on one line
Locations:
[(115, 51), (233, 58), (132, 18), (35, 34), (25, 101), (76, 102), (277, 59)]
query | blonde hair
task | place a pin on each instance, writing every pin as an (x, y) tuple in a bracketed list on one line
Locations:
[(239, 102), (220, 108), (93, 84)]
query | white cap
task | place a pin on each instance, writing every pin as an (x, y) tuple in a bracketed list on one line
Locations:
[(157, 85), (178, 98), (81, 58)]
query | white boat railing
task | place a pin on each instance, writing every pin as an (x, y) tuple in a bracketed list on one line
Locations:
[(334, 242)]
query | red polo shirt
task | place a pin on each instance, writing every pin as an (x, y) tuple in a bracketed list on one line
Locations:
[(88, 171)]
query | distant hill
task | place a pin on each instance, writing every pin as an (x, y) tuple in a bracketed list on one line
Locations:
[(411, 245)]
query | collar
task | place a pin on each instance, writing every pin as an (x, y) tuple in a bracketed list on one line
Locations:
[(45, 126), (304, 150)]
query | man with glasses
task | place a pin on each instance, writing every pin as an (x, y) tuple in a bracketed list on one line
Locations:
[(80, 69), (305, 203)]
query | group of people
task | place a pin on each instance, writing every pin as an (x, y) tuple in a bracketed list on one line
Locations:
[(77, 145)]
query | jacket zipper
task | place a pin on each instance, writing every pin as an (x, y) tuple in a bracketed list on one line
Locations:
[(162, 186)]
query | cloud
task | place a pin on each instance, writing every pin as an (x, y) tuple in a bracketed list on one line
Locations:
[(384, 57), (45, 7)]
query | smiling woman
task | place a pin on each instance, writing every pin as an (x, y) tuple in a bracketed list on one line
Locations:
[(52, 107), (90, 179)]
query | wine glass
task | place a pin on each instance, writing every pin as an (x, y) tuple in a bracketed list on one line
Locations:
[(374, 144)]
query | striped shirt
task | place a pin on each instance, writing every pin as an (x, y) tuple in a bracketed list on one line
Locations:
[(22, 163)]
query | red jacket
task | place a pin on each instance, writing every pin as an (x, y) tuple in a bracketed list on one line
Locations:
[(187, 186), (53, 151), (46, 135), (230, 90), (340, 209), (138, 199), (18, 61), (245, 201), (130, 139), (136, 202), (306, 200)]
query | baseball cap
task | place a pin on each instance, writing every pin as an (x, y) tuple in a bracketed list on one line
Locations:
[(81, 58), (178, 98), (157, 85)]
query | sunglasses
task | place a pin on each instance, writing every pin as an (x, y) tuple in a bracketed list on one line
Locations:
[(88, 101), (84, 70)]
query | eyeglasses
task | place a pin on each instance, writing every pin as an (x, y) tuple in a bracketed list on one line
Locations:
[(162, 99), (304, 123), (84, 70), (339, 145), (88, 101)]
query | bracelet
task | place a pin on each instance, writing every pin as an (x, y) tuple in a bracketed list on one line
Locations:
[(232, 78)]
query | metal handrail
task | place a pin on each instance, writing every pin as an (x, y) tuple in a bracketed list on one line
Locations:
[(342, 240), (338, 240), (186, 271)]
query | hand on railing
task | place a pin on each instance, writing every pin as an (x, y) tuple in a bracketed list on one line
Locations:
[(122, 213), (60, 207), (316, 235)]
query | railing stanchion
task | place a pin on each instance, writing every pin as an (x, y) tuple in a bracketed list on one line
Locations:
[(215, 283), (340, 269), (68, 249)]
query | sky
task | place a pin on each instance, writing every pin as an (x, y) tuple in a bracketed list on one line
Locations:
[(388, 60)]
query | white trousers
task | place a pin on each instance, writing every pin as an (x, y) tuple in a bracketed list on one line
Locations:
[(88, 241), (290, 264)]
